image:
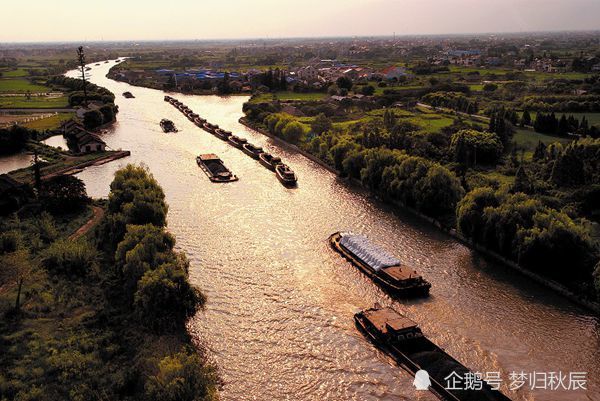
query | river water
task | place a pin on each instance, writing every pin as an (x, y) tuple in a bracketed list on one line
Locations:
[(279, 317)]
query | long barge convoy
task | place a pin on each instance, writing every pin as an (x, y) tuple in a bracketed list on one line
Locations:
[(283, 172)]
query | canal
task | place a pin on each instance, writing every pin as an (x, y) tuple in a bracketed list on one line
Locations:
[(280, 302)]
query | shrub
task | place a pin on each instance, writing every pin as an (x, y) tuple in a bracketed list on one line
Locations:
[(183, 377), (474, 147), (293, 132), (69, 258)]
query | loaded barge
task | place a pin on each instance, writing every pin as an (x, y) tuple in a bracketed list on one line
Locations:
[(283, 172), (214, 168), (381, 267), (402, 338)]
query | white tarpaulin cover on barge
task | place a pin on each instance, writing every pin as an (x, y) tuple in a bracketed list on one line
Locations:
[(366, 251)]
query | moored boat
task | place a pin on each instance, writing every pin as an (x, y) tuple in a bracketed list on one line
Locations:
[(402, 338), (386, 270), (252, 150), (208, 127), (128, 95), (168, 98), (221, 133), (192, 116), (167, 125), (214, 168), (268, 160), (285, 175), (237, 141)]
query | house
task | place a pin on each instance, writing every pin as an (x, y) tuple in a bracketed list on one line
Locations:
[(393, 72), (86, 142), (81, 140), (308, 73)]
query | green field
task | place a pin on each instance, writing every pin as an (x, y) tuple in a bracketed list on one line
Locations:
[(19, 72), (52, 122), (528, 139), (35, 102), (268, 97), (20, 85)]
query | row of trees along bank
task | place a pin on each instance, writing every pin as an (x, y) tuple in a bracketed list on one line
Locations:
[(437, 173), (103, 316)]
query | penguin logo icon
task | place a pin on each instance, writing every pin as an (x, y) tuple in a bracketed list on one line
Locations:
[(422, 381)]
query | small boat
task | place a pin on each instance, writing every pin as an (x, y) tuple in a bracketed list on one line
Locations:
[(237, 141), (88, 68), (268, 160), (208, 127), (214, 168), (106, 62), (168, 98), (402, 338), (285, 175), (192, 116), (386, 270), (221, 133), (97, 64), (252, 151), (128, 95), (199, 121), (167, 125)]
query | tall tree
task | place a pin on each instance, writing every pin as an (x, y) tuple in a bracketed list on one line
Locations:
[(81, 60)]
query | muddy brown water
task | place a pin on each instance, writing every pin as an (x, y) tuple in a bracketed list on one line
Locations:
[(279, 317)]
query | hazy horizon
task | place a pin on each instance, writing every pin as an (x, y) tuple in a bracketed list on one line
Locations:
[(67, 20)]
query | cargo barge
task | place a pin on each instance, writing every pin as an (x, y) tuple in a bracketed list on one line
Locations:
[(285, 175), (167, 125), (214, 168), (252, 150), (402, 339), (379, 266)]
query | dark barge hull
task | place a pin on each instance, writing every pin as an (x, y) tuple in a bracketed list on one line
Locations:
[(249, 152), (421, 290), (265, 163), (404, 356), (212, 176)]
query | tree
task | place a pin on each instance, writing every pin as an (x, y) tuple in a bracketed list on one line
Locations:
[(344, 83), (526, 119), (438, 193), (489, 87), (321, 124), (540, 151), (522, 181), (472, 147), (368, 90), (93, 119), (165, 299), (81, 60), (16, 267), (64, 194), (183, 377), (293, 132)]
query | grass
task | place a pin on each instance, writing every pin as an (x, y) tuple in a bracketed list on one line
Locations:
[(52, 122), (528, 140), (19, 85), (37, 102), (268, 97), (19, 72)]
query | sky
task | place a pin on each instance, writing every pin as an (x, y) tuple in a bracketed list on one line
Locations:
[(70, 20)]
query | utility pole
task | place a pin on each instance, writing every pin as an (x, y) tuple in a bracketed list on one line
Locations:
[(81, 58)]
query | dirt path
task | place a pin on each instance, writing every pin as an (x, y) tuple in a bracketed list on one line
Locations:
[(98, 214)]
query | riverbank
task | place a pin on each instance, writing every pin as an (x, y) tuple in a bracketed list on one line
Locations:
[(451, 231), (74, 332), (70, 165)]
